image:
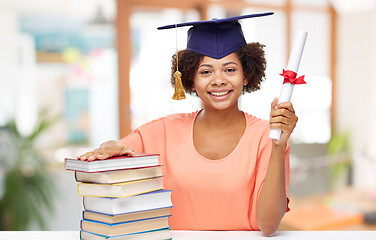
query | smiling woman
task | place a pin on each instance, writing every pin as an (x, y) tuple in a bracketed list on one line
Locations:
[(215, 153)]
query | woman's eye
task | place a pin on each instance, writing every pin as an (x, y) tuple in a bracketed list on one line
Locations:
[(230, 70), (205, 72)]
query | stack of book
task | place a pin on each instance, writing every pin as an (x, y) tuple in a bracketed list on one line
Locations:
[(123, 198)]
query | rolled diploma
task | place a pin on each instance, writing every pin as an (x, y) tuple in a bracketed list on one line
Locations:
[(293, 65)]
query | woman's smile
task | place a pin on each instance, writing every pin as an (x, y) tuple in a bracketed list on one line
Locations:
[(219, 93)]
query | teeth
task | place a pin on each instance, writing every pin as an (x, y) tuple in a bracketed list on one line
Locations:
[(219, 93)]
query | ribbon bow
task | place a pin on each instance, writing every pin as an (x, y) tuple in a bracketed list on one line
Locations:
[(290, 77)]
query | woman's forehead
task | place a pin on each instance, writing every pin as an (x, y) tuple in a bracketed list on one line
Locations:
[(231, 58)]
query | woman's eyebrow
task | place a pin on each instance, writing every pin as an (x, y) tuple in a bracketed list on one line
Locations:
[(211, 66), (228, 63), (206, 65)]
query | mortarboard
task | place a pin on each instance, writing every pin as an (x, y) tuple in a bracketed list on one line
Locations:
[(214, 38)]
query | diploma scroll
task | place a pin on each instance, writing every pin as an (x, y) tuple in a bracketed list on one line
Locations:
[(290, 75)]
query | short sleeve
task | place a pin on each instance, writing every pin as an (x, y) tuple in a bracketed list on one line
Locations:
[(133, 141), (148, 138)]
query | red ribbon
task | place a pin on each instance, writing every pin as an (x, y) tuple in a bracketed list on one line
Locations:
[(290, 77)]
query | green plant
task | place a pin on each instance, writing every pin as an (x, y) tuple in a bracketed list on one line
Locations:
[(338, 152), (27, 189)]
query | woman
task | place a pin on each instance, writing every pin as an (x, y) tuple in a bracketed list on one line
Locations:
[(224, 170)]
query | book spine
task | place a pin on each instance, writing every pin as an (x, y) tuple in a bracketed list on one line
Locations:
[(83, 202)]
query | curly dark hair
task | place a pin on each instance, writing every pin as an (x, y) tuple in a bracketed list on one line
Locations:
[(251, 56)]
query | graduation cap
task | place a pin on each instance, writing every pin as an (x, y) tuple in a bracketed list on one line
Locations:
[(214, 38)]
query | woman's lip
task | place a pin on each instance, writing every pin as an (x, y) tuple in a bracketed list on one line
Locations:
[(219, 93)]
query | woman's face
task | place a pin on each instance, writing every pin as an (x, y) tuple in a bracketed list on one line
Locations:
[(219, 82)]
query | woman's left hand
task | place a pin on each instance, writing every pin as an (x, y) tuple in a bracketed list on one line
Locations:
[(282, 116)]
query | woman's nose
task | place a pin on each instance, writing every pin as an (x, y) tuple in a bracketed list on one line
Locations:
[(218, 80)]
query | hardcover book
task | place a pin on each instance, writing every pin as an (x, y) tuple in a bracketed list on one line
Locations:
[(124, 189), (119, 176), (110, 218), (160, 234), (142, 202), (123, 228), (114, 163)]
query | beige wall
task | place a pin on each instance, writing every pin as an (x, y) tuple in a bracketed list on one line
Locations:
[(356, 48), (356, 88)]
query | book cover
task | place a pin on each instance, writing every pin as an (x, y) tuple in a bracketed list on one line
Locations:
[(159, 234), (118, 176), (142, 202), (111, 218), (124, 189), (114, 163), (123, 228)]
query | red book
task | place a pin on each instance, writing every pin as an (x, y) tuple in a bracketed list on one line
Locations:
[(112, 164)]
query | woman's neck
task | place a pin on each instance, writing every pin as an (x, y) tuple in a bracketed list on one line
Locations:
[(220, 118)]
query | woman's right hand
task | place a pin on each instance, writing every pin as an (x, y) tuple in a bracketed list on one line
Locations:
[(107, 149)]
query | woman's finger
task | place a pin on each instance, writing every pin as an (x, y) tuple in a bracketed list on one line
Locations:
[(281, 119), (273, 105), (282, 113), (128, 151), (286, 105)]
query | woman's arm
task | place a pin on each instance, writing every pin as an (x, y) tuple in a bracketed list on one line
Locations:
[(272, 201)]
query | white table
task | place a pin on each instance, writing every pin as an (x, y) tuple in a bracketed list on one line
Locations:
[(205, 235)]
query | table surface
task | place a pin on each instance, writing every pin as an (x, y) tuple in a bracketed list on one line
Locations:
[(204, 235)]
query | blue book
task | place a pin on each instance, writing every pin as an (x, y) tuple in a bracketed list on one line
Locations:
[(124, 228)]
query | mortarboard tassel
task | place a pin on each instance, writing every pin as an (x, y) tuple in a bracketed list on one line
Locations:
[(179, 90)]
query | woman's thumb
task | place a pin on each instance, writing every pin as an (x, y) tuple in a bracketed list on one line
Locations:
[(274, 103)]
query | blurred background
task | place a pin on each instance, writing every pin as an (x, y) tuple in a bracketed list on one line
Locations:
[(74, 74)]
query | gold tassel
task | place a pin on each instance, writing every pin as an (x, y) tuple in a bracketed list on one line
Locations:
[(179, 89)]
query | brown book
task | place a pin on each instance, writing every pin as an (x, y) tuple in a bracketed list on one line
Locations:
[(106, 218), (119, 176), (124, 227), (149, 235), (319, 217)]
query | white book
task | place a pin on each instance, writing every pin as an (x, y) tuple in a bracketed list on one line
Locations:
[(142, 202), (110, 164)]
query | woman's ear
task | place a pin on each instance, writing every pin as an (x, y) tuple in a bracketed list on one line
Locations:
[(245, 82)]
